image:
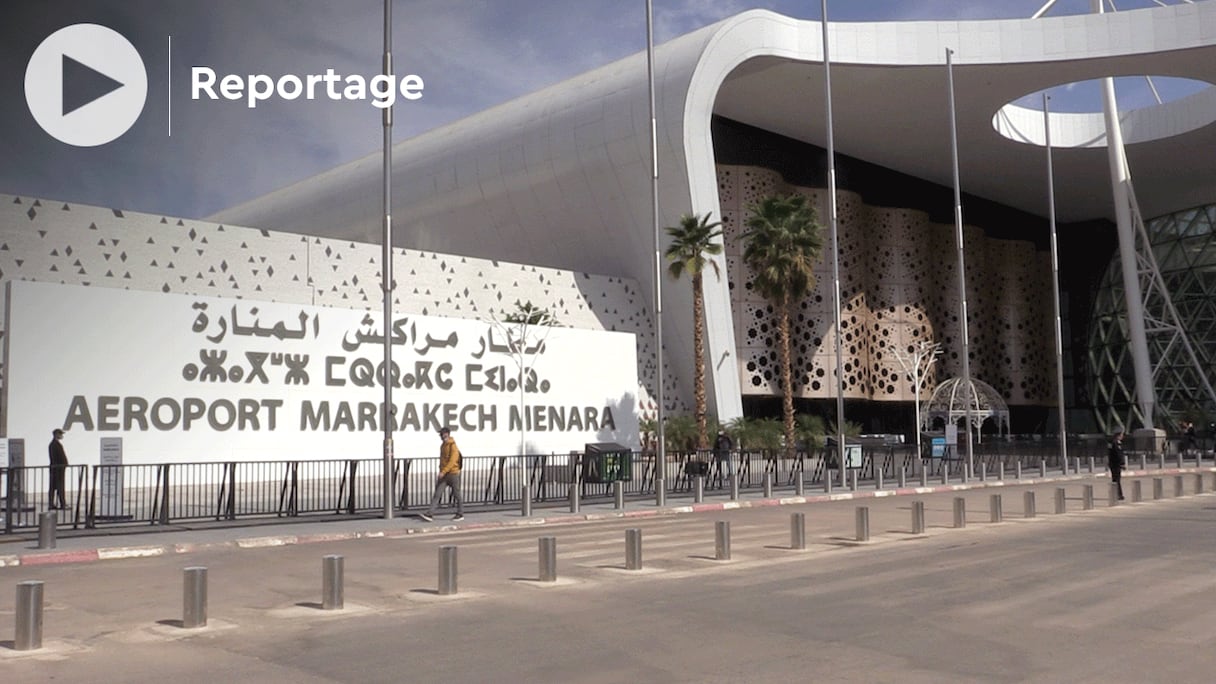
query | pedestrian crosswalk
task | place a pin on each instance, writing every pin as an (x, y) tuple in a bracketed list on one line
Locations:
[(980, 574)]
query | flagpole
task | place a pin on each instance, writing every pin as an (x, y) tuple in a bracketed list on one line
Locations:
[(968, 389), (386, 269), (661, 456), (1055, 282), (832, 229)]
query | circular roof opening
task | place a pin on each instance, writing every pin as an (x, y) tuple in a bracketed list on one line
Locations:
[(1151, 108)]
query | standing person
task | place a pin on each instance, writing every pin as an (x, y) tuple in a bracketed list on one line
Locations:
[(1115, 460), (722, 447), (59, 465), (449, 476), (1189, 443)]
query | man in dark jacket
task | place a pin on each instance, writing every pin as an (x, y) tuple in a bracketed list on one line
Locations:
[(59, 465), (1115, 461), (722, 449)]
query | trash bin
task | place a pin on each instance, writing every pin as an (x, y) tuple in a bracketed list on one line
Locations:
[(607, 462)]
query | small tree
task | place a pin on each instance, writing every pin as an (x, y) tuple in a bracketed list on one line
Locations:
[(681, 433), (691, 241), (810, 431), (781, 246), (525, 330)]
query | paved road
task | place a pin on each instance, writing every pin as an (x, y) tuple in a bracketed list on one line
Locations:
[(1120, 594)]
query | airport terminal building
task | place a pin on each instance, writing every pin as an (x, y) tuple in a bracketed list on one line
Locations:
[(547, 199)]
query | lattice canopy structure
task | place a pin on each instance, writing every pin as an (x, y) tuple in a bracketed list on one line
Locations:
[(1184, 245), (949, 404)]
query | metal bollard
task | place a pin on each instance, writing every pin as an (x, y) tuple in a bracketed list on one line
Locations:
[(1113, 497), (734, 487), (1091, 465), (924, 475), (983, 472), (28, 636), (576, 498), (1137, 492), (1076, 465), (1042, 467), (1143, 462), (965, 474), (525, 501), (1000, 473), (853, 479), (1198, 483), (660, 492), (1018, 471), (945, 473), (722, 540), (903, 477), (878, 479), (863, 523), (918, 517), (960, 512), (1087, 497), (194, 598), (633, 549), (995, 509), (618, 494), (798, 531), (1028, 505), (547, 550), (768, 485), (1178, 485), (447, 570), (1160, 461), (698, 494), (1061, 503), (48, 524), (799, 485), (1158, 488), (332, 592), (1064, 465), (827, 481)]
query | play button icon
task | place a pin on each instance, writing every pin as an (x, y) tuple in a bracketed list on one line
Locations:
[(86, 85), (82, 85)]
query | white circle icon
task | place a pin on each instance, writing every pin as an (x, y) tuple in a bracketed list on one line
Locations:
[(86, 85)]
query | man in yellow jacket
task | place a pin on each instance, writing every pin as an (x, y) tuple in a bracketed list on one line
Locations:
[(449, 476)]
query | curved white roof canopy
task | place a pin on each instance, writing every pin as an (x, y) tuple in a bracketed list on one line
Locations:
[(561, 177)]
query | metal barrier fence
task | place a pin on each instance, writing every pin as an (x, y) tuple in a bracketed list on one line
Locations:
[(161, 494)]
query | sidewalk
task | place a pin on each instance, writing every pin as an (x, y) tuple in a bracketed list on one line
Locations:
[(119, 543)]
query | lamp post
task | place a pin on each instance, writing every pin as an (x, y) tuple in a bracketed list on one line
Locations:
[(1055, 283), (968, 389), (918, 362), (386, 270), (661, 456), (833, 230)]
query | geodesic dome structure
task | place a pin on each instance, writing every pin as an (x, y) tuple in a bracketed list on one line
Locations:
[(949, 404), (1184, 246)]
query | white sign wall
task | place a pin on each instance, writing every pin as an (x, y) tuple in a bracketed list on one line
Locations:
[(186, 378)]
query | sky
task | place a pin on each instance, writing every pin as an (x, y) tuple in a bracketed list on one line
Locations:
[(471, 55)]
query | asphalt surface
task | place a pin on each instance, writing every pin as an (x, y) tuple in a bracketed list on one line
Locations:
[(1113, 594)]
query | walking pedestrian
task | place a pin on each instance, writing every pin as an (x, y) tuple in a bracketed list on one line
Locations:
[(449, 476), (1115, 461), (59, 466)]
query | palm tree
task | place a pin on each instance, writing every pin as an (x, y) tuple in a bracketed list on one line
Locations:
[(781, 246), (691, 241)]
